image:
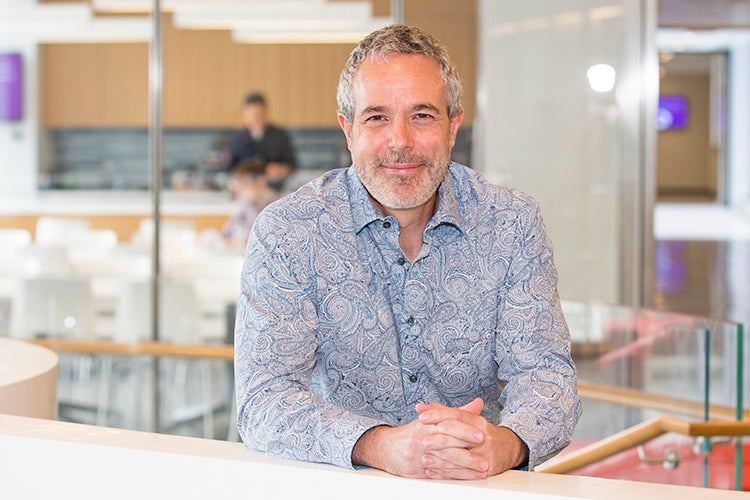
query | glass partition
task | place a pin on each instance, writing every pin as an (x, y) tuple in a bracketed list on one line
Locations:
[(79, 229), (567, 92), (636, 365)]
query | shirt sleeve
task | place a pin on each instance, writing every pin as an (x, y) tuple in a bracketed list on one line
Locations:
[(540, 400), (275, 355)]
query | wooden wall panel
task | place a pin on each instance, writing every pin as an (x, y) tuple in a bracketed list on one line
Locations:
[(455, 25), (94, 85), (69, 84), (206, 75), (123, 225)]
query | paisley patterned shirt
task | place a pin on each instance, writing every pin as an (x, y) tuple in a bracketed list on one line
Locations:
[(337, 331)]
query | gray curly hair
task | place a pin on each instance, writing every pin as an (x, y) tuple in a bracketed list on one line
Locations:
[(399, 39)]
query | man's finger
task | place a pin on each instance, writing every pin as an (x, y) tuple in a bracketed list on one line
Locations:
[(451, 434), (474, 407), (434, 413), (451, 460)]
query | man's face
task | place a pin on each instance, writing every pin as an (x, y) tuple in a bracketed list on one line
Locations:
[(254, 117), (400, 137)]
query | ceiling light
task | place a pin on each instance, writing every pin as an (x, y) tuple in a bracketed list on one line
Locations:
[(280, 6), (103, 30), (339, 16), (310, 36), (601, 77), (24, 19)]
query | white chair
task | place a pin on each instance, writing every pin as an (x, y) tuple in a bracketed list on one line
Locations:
[(178, 307), (179, 324), (178, 241), (52, 306), (90, 243), (35, 261), (216, 278), (14, 239), (13, 246), (57, 231), (26, 263), (60, 307)]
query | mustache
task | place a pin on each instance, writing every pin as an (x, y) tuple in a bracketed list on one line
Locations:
[(403, 157)]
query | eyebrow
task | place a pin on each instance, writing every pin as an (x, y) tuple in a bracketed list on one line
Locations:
[(416, 107), (373, 109)]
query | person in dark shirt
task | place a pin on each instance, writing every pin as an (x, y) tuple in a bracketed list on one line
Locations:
[(262, 140)]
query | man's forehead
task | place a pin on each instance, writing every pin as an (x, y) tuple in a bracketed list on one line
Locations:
[(392, 78)]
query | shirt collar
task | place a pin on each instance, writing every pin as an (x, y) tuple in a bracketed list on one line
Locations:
[(364, 212)]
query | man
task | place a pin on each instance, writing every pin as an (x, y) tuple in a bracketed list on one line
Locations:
[(403, 313), (261, 140)]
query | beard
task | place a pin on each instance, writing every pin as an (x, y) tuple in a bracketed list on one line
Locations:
[(402, 191)]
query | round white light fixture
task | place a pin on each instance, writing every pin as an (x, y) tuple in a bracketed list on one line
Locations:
[(601, 77)]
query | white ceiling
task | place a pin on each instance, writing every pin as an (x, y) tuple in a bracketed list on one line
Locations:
[(691, 27), (704, 14)]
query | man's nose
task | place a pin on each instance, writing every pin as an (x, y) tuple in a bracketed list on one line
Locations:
[(401, 134)]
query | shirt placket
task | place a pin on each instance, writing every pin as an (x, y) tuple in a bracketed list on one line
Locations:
[(401, 282), (412, 323)]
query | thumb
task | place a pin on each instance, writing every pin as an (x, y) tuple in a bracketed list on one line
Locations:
[(474, 407)]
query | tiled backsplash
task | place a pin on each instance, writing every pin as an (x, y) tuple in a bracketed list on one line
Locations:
[(193, 158)]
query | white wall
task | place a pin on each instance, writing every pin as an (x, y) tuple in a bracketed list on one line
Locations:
[(738, 146), (542, 129), (19, 141)]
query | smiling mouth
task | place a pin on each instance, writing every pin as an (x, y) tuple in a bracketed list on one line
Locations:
[(402, 167)]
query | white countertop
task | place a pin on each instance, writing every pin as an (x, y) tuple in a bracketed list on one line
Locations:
[(49, 459)]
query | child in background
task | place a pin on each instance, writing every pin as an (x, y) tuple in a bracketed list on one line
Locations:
[(249, 186)]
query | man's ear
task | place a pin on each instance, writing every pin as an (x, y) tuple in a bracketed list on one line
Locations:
[(346, 126), (455, 124)]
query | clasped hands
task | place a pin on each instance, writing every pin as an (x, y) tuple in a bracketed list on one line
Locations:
[(442, 443)]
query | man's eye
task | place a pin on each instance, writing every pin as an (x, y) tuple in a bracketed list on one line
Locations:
[(375, 118), (423, 116)]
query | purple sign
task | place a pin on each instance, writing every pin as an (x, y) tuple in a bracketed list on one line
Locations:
[(11, 87), (673, 112)]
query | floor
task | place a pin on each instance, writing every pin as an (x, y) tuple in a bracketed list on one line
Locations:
[(702, 261)]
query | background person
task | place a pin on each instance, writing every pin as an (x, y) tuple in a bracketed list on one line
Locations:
[(248, 186), (403, 313), (262, 140)]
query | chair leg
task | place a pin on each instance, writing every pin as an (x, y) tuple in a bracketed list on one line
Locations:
[(104, 390), (208, 405), (232, 433)]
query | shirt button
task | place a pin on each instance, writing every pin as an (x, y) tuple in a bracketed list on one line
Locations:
[(410, 321), (401, 261), (413, 378), (386, 224)]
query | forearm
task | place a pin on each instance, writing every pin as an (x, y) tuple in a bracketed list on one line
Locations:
[(279, 417), (275, 355), (542, 413), (540, 400)]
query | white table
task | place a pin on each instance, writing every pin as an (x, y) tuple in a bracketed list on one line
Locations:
[(47, 459), (28, 379)]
